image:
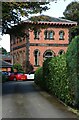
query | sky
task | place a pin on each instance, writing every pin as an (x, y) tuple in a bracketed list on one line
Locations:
[(56, 10)]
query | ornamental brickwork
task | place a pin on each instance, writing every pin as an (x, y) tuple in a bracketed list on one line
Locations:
[(41, 43)]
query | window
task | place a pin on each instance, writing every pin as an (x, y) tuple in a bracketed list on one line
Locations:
[(61, 52), (61, 35), (48, 54), (46, 33), (20, 39), (36, 34), (36, 55), (49, 35)]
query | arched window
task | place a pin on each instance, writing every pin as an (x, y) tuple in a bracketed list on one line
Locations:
[(36, 34), (51, 35), (36, 57), (61, 52), (46, 33), (61, 35), (48, 54)]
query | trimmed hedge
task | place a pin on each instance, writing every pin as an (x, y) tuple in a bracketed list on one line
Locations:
[(38, 77), (60, 75), (72, 59), (4, 78), (0, 77), (56, 79)]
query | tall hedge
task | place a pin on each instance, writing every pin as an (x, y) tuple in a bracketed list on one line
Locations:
[(60, 75), (55, 75), (38, 77), (72, 59), (46, 74)]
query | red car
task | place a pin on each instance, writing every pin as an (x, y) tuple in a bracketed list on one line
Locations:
[(17, 76)]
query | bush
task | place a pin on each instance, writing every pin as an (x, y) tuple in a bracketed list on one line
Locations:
[(56, 79), (38, 77), (18, 67), (46, 74), (72, 58), (60, 75), (4, 78)]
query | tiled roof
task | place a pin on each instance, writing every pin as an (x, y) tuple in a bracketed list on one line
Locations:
[(43, 19), (5, 56), (4, 64)]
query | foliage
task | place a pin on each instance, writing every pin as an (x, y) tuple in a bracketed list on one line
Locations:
[(60, 75), (38, 77), (44, 18), (72, 13), (72, 58), (46, 71), (74, 31), (4, 78), (56, 79), (13, 11), (18, 67), (3, 51), (0, 76)]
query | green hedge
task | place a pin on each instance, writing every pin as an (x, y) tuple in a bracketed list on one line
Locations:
[(56, 79), (38, 77), (60, 75), (0, 77), (72, 58), (46, 74), (4, 78)]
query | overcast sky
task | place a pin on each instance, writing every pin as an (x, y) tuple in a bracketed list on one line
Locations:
[(56, 10)]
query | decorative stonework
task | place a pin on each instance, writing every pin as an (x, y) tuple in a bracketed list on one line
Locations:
[(37, 39), (43, 44)]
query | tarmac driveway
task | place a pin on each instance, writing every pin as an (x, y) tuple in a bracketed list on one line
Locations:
[(24, 100)]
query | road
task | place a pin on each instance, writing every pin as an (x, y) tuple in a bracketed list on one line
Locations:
[(24, 100)]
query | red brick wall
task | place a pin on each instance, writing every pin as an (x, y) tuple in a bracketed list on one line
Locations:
[(42, 49), (56, 36)]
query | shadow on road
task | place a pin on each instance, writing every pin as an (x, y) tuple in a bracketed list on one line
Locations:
[(18, 87)]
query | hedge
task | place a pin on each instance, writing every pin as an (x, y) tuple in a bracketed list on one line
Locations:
[(72, 59), (4, 78), (38, 76), (56, 79), (60, 75)]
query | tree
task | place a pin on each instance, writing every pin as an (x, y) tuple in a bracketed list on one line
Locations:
[(72, 13), (3, 51), (18, 67), (13, 11)]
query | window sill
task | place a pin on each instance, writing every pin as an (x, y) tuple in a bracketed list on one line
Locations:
[(49, 38), (36, 38), (61, 39), (36, 65)]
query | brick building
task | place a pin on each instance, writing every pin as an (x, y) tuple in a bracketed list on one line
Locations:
[(45, 38)]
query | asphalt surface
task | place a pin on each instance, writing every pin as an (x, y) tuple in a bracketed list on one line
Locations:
[(24, 100)]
